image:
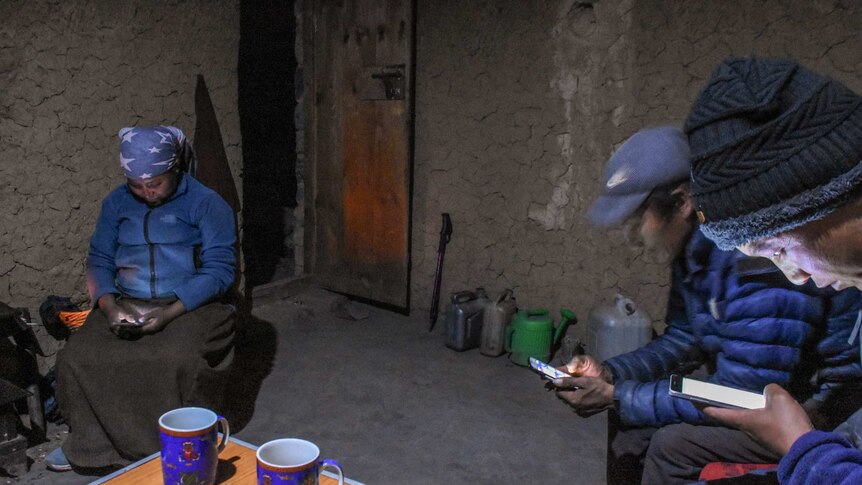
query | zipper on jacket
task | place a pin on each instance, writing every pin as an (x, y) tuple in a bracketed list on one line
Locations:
[(152, 250)]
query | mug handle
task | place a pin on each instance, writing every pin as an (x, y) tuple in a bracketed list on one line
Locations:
[(225, 428), (333, 464)]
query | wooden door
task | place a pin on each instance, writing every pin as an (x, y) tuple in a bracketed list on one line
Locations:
[(359, 110)]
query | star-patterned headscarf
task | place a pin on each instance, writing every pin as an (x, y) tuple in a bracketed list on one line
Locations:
[(149, 151)]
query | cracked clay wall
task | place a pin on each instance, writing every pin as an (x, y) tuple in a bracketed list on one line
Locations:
[(519, 104), (72, 73)]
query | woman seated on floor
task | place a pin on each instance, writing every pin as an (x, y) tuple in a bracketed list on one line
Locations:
[(161, 258)]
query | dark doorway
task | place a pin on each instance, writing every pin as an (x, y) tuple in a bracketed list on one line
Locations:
[(267, 104)]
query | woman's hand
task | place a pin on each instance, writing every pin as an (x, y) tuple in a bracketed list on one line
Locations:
[(114, 312), (135, 325), (158, 319)]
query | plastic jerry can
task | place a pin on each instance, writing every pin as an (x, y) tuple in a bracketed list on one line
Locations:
[(616, 328), (497, 316), (464, 319)]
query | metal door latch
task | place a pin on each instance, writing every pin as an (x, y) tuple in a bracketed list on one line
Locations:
[(382, 83)]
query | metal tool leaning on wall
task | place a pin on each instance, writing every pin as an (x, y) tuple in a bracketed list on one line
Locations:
[(445, 237)]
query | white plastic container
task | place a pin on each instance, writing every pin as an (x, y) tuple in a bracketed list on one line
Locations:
[(616, 328), (497, 315)]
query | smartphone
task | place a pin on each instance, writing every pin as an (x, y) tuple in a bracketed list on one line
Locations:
[(714, 394), (125, 324), (547, 370)]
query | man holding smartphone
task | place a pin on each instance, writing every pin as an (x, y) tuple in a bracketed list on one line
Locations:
[(736, 316), (777, 172)]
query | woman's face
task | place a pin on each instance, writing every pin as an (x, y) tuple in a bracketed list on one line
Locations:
[(157, 190)]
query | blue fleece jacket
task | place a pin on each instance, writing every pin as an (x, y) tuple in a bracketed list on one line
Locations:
[(749, 325), (183, 248)]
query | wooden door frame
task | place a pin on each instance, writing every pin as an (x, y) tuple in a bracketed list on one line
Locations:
[(309, 25)]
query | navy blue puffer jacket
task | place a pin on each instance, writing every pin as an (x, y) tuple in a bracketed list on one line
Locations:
[(749, 326)]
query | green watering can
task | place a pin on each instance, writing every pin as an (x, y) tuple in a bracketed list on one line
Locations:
[(531, 334)]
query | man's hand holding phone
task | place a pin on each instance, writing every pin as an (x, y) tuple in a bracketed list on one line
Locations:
[(588, 366), (777, 426), (589, 389)]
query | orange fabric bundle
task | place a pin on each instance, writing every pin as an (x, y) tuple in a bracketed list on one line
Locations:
[(74, 319)]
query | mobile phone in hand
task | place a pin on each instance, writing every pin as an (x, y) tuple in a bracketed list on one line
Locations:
[(127, 323), (714, 394), (124, 327), (547, 370)]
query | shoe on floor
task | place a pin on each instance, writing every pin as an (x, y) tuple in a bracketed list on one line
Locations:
[(56, 460)]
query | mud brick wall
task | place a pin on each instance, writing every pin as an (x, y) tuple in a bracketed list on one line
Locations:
[(72, 73), (519, 104)]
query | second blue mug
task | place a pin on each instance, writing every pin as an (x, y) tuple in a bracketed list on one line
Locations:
[(292, 461)]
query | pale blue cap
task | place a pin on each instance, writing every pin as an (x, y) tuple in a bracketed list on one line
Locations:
[(649, 159)]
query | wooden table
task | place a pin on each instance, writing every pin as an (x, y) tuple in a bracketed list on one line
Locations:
[(237, 464)]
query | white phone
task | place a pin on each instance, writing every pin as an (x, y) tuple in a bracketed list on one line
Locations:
[(547, 370), (714, 394)]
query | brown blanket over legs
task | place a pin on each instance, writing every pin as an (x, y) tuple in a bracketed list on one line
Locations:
[(112, 391)]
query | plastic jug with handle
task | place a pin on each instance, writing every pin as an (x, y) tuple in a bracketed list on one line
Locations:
[(532, 334), (617, 327), (464, 319)]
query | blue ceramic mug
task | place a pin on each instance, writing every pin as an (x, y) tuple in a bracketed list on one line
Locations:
[(190, 445), (292, 461)]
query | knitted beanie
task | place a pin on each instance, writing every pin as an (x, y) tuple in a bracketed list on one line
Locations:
[(773, 146)]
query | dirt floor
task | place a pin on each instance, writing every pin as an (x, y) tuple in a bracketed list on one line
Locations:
[(385, 397)]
